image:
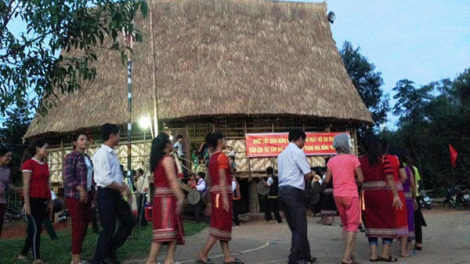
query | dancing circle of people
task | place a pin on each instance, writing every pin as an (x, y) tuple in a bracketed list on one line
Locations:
[(376, 190)]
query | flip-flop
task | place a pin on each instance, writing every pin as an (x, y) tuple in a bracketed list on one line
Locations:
[(236, 261), (200, 261), (390, 259), (375, 260)]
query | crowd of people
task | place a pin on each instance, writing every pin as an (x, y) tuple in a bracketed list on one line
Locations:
[(376, 190)]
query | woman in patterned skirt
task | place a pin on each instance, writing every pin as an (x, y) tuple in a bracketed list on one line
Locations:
[(167, 202), (221, 201), (392, 167), (377, 206)]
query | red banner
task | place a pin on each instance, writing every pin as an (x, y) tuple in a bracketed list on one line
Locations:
[(272, 144)]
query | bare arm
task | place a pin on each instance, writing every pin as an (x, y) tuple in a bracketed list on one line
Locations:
[(26, 184), (359, 175), (403, 176), (168, 165), (396, 199), (328, 176)]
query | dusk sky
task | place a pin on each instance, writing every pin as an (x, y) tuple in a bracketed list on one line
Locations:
[(422, 41)]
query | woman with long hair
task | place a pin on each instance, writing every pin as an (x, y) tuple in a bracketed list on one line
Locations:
[(37, 196), (167, 202), (379, 215), (345, 170), (393, 168), (5, 158), (221, 201), (78, 192)]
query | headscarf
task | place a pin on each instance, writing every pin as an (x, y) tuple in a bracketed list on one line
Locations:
[(341, 143)]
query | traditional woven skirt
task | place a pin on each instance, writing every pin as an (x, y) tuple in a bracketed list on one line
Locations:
[(401, 215), (379, 215), (411, 217), (167, 224), (221, 220), (328, 206)]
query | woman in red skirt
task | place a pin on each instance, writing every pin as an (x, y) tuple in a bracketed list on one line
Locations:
[(378, 211), (167, 202), (221, 201), (392, 167)]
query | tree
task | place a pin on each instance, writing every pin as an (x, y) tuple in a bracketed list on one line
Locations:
[(367, 81), (11, 134), (29, 61)]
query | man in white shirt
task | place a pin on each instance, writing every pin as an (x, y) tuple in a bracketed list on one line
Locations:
[(111, 205), (294, 170), (178, 146), (201, 187)]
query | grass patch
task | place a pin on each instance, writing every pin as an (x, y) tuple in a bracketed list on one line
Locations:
[(58, 251)]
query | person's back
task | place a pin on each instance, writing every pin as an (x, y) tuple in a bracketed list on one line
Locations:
[(292, 165), (343, 167)]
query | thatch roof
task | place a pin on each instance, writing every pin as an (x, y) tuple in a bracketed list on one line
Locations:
[(219, 58)]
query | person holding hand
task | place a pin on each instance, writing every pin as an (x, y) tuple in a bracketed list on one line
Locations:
[(37, 196), (78, 192), (221, 201), (168, 201), (111, 204)]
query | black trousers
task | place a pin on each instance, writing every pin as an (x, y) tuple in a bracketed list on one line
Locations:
[(293, 204), (140, 207), (112, 208), (199, 211), (35, 221), (419, 223), (236, 205), (272, 205)]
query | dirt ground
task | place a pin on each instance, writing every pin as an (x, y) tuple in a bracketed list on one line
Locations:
[(446, 240)]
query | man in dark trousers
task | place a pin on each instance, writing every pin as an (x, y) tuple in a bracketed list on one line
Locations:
[(294, 170), (272, 204), (111, 205)]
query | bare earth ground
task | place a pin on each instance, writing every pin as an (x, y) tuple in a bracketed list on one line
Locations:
[(446, 240)]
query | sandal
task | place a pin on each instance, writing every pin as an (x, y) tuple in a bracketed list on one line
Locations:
[(200, 261), (419, 248), (236, 261), (389, 259), (375, 260)]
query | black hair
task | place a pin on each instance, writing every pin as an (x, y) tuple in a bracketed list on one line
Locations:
[(179, 136), (295, 134), (201, 174), (141, 171), (270, 171), (158, 149), (77, 135), (31, 150), (374, 149), (317, 170), (4, 150), (107, 130), (213, 139)]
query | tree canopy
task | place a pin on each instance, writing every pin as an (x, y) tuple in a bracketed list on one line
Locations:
[(29, 60)]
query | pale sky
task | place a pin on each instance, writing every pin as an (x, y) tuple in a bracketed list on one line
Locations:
[(420, 40)]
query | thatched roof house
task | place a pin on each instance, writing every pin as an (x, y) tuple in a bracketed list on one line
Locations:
[(218, 58), (239, 66)]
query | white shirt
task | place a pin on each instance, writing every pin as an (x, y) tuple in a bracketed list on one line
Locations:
[(293, 166), (270, 181), (142, 184), (180, 148), (89, 174), (234, 186), (201, 185), (106, 167)]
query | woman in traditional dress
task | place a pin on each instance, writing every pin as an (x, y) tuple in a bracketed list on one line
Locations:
[(221, 201), (409, 186), (167, 202), (377, 205), (392, 167)]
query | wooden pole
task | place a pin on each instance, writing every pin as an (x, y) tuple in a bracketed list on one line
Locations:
[(154, 74)]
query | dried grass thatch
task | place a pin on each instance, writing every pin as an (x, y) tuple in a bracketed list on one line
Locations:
[(219, 58)]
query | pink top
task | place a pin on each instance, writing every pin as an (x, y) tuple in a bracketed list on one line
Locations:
[(343, 168)]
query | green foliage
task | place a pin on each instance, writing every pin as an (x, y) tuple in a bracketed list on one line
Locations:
[(11, 135), (430, 118), (29, 61), (367, 81)]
